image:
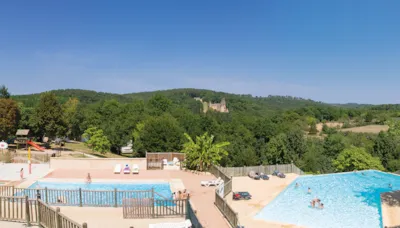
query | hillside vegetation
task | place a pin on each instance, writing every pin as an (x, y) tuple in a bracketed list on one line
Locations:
[(257, 130)]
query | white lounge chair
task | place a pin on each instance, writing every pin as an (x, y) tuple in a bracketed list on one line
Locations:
[(127, 170), (176, 161), (165, 162), (135, 169), (184, 224), (117, 168), (209, 183)]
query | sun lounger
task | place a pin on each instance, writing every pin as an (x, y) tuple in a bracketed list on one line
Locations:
[(184, 224), (209, 183), (165, 162), (135, 169), (127, 170), (253, 175), (176, 161), (117, 168)]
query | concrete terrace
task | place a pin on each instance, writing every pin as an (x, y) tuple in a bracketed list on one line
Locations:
[(202, 198), (263, 192)]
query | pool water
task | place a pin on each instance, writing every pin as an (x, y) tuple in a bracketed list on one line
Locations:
[(350, 200), (97, 194)]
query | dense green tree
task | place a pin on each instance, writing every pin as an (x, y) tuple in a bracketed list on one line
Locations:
[(70, 112), (9, 117), (314, 160), (276, 150), (355, 158), (385, 148), (49, 116), (96, 140), (161, 134), (202, 152), (160, 104), (4, 92), (296, 145), (313, 129), (334, 144)]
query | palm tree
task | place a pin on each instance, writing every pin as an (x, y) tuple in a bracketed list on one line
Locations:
[(203, 152)]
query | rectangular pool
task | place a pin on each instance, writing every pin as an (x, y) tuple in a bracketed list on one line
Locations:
[(96, 193), (350, 200)]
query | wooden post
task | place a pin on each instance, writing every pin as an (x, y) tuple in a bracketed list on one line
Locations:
[(38, 207), (13, 191), (84, 225), (58, 220), (115, 198), (80, 197), (28, 219), (46, 195), (291, 166)]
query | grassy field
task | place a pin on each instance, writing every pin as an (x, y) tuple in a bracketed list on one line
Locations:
[(81, 147), (367, 129)]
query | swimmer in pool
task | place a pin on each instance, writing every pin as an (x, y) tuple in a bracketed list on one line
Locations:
[(321, 206), (309, 190), (297, 185), (390, 186)]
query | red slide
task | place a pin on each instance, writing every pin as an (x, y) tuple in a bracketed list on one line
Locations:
[(35, 145)]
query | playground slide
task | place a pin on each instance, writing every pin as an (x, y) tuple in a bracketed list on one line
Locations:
[(35, 145)]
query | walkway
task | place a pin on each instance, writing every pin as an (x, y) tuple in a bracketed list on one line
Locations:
[(202, 198)]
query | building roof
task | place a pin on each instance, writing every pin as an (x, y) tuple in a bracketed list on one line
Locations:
[(22, 132)]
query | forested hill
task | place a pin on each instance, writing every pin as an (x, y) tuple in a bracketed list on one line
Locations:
[(235, 102)]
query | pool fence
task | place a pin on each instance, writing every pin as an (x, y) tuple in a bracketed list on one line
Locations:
[(34, 212), (267, 169), (136, 204)]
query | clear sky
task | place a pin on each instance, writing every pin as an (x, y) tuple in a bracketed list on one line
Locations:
[(330, 50)]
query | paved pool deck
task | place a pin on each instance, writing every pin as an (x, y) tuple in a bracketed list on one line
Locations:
[(202, 198), (263, 192), (11, 171)]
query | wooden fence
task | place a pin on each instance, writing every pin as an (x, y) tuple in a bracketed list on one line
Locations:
[(34, 212), (231, 216), (80, 197), (269, 169), (153, 208), (155, 159), (20, 157)]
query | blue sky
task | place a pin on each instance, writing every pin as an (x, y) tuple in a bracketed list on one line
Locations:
[(332, 51)]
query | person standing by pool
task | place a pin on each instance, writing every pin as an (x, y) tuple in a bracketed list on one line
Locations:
[(88, 179), (21, 173)]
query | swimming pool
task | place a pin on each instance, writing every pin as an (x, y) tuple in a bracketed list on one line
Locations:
[(96, 193), (350, 200)]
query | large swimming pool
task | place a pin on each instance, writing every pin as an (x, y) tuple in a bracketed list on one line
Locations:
[(96, 193), (350, 200)]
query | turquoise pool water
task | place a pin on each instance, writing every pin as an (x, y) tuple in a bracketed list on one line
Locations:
[(96, 194), (350, 200)]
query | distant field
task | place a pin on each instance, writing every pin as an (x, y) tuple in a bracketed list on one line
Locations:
[(367, 129), (329, 124)]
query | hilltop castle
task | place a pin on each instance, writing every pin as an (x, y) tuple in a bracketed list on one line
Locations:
[(219, 107)]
